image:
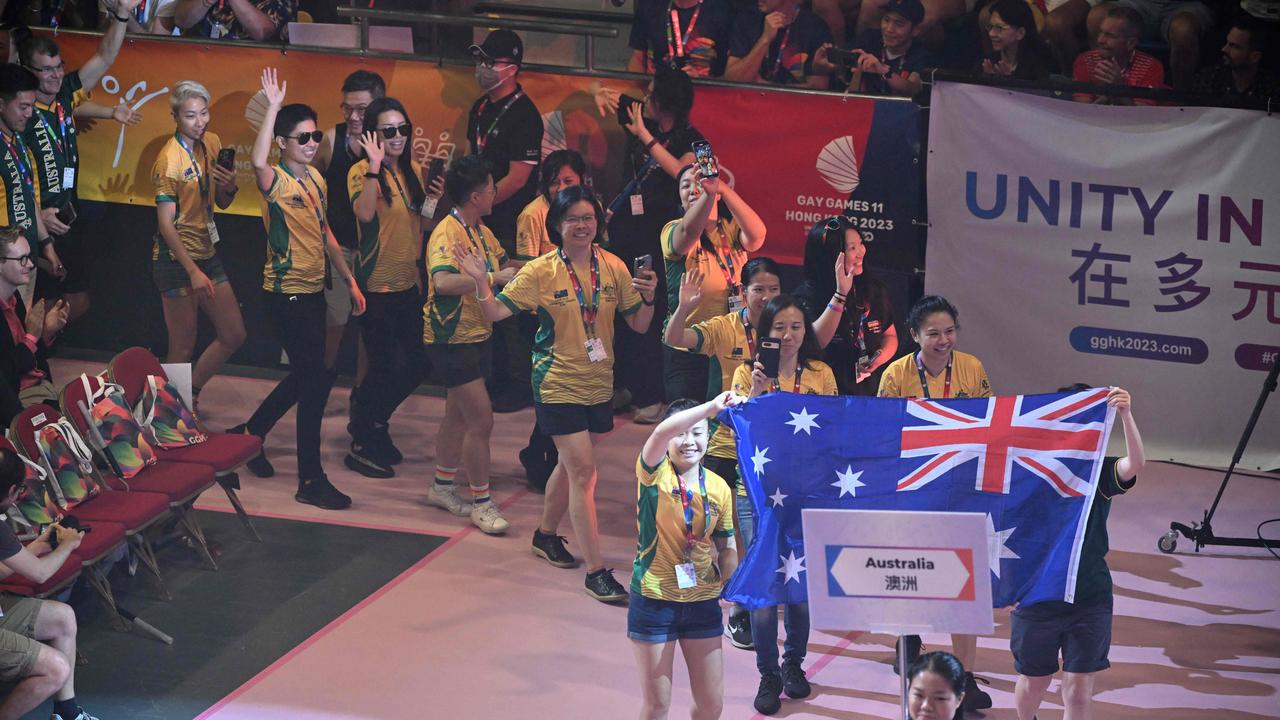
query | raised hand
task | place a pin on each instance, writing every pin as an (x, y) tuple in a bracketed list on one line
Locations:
[(273, 90), (691, 288), (646, 283), (759, 381), (372, 146), (844, 275), (1119, 399), (606, 99), (126, 115), (726, 399), (773, 22), (471, 265)]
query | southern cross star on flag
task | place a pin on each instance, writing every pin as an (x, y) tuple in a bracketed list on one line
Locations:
[(1030, 463)]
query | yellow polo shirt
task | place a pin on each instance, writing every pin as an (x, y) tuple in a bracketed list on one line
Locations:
[(456, 319), (728, 255), (531, 230), (968, 379), (295, 236), (724, 340), (387, 254), (177, 176), (816, 379)]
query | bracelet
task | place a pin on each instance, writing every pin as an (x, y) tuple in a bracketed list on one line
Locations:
[(372, 175), (835, 308), (45, 241), (649, 145), (839, 298), (486, 297), (124, 19)]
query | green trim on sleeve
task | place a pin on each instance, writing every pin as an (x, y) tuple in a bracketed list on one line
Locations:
[(511, 305), (698, 346), (445, 268), (651, 470), (633, 309), (167, 198)]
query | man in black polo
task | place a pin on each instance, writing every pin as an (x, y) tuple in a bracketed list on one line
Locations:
[(505, 128)]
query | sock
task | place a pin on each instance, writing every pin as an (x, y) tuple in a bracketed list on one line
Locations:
[(479, 494), (444, 476), (66, 709)]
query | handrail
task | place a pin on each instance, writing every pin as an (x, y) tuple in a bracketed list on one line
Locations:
[(602, 16), (1063, 87)]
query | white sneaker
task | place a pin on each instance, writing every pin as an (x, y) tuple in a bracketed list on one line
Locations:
[(486, 517), (448, 499)]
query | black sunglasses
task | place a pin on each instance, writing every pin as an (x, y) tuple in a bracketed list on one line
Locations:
[(389, 132), (306, 137), (840, 222)]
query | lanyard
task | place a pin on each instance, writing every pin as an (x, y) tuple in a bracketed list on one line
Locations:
[(676, 40), (588, 312), (946, 388), (61, 139), (795, 388), (404, 198), (746, 328), (777, 63), (316, 206), (478, 246), (18, 158), (725, 262), (202, 178), (686, 497), (482, 140)]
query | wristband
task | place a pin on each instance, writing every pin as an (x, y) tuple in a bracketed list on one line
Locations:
[(835, 308), (486, 297), (649, 145), (45, 241), (839, 298), (371, 175), (124, 19)]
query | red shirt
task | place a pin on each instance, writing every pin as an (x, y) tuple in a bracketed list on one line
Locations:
[(20, 336), (1143, 71)]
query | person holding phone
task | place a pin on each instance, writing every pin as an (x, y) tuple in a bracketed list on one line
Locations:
[(576, 292), (387, 191), (786, 360), (715, 244), (184, 259)]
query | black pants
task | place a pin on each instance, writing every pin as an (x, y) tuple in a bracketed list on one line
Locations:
[(392, 331), (300, 326), (684, 374)]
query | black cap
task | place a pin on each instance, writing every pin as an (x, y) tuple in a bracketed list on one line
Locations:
[(912, 10), (502, 44)]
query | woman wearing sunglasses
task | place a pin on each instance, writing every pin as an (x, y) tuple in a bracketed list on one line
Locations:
[(387, 192)]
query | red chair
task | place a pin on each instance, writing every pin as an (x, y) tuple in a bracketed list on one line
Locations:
[(181, 482), (223, 452)]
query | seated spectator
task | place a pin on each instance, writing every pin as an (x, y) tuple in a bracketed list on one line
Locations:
[(26, 336), (262, 20), (890, 59), (689, 35), (1241, 73), (930, 26), (782, 42), (1017, 50), (149, 18), (1117, 59), (38, 636), (1181, 23)]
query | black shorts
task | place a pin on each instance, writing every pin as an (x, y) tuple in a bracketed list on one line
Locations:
[(456, 365), (568, 418), (1081, 633)]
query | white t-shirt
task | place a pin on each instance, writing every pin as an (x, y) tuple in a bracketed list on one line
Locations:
[(155, 9)]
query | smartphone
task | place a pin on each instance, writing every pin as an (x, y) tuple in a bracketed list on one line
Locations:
[(627, 107), (702, 155), (67, 214), (642, 264), (434, 170), (769, 355), (227, 158)]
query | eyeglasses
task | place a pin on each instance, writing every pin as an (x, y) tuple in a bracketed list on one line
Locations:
[(997, 27), (579, 220), (390, 132), (349, 110), (51, 70), (21, 259), (307, 137)]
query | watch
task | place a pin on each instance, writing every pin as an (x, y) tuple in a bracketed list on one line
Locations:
[(124, 19), (372, 175)]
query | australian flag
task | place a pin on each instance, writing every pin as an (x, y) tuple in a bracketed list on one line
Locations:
[(1030, 463)]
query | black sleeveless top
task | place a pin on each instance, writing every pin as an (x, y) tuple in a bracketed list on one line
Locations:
[(341, 217)]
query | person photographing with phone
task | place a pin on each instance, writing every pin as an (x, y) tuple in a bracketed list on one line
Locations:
[(184, 258), (576, 292)]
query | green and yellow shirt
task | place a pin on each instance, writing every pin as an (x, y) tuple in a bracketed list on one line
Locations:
[(292, 211)]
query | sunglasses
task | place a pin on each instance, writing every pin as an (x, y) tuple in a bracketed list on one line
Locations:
[(838, 223), (314, 136), (390, 132)]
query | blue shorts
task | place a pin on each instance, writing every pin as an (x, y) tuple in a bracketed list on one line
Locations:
[(1081, 633), (660, 621), (173, 281)]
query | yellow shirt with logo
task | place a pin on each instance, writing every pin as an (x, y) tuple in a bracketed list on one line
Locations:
[(724, 340), (815, 379), (177, 179), (661, 540), (532, 239), (727, 239), (968, 379), (562, 371), (387, 254), (457, 319), (295, 237)]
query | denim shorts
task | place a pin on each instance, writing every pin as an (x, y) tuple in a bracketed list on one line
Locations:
[(173, 281), (660, 621), (1081, 633)]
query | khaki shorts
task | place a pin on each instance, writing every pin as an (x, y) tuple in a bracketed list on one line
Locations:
[(18, 649), (337, 299), (42, 392)]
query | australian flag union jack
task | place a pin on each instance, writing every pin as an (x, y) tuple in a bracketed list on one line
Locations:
[(1030, 463)]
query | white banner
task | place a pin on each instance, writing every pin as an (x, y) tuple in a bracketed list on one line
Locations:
[(1130, 246)]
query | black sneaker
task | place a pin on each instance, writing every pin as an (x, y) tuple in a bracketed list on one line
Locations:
[(794, 683), (602, 586), (738, 630), (363, 460), (551, 548), (769, 696), (322, 494), (536, 470), (913, 651), (385, 449), (259, 465), (974, 697)]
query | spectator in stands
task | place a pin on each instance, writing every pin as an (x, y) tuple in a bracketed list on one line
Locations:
[(457, 333), (148, 18), (51, 136), (561, 169), (38, 636), (676, 579), (504, 128), (339, 150), (717, 231), (935, 688), (1181, 23), (258, 20), (24, 366), (1017, 50), (1117, 59), (576, 292), (184, 260), (387, 190), (856, 330), (659, 145), (781, 42), (20, 206), (688, 35), (928, 29), (889, 59), (1080, 630), (298, 240), (1241, 73)]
